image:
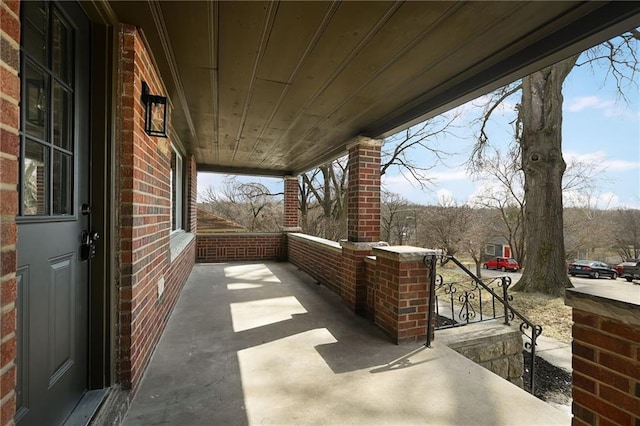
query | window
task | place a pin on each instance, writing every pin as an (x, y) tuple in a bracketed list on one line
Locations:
[(47, 157), (176, 190), (490, 250)]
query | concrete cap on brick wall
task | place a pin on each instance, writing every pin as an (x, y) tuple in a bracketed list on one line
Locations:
[(404, 253), (363, 140), (360, 246), (621, 302)]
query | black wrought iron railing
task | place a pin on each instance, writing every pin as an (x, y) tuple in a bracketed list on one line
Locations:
[(469, 299)]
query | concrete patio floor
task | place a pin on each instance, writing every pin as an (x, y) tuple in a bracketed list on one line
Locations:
[(261, 343)]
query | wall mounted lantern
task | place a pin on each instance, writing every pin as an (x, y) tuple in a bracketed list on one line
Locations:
[(155, 116)]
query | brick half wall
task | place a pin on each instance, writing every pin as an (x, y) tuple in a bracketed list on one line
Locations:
[(606, 355), (320, 258), (213, 248)]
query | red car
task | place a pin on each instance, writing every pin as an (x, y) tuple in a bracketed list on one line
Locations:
[(502, 263)]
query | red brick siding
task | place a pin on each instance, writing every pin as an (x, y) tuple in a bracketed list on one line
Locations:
[(9, 152), (213, 248), (322, 261), (606, 370), (363, 193), (370, 280), (290, 202), (401, 300), (354, 285), (143, 194)]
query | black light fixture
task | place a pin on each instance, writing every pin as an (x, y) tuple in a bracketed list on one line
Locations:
[(155, 115)]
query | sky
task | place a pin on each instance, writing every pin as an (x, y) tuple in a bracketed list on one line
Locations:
[(599, 128)]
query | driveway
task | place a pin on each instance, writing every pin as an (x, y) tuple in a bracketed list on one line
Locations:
[(577, 281)]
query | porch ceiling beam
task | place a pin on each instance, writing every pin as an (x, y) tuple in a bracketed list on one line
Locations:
[(246, 171)]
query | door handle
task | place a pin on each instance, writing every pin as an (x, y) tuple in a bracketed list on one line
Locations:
[(88, 247)]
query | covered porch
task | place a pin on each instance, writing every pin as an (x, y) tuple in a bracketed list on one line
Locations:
[(162, 90), (262, 343)]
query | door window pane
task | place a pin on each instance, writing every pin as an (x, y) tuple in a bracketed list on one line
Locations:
[(61, 58), (62, 117), (62, 183), (35, 30), (36, 89), (34, 179)]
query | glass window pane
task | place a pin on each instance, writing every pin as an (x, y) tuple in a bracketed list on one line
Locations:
[(34, 179), (61, 57), (34, 30), (62, 183), (62, 135), (36, 102)]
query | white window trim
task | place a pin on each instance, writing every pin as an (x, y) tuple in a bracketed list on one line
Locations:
[(179, 192)]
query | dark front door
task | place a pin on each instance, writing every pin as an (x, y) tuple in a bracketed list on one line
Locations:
[(52, 279)]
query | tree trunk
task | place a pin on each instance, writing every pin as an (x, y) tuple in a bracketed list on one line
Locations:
[(544, 268)]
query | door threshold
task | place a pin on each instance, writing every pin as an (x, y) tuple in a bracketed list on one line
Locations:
[(86, 408)]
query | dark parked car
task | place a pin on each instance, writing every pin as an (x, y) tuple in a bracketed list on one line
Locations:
[(502, 263), (592, 268), (629, 270)]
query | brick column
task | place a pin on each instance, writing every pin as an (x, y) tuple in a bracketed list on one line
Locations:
[(9, 152), (402, 292), (363, 191), (363, 219), (605, 355), (290, 219)]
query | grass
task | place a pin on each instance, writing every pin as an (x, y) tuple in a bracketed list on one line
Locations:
[(547, 311)]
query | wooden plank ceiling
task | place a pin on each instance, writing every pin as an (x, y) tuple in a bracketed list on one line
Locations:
[(276, 88)]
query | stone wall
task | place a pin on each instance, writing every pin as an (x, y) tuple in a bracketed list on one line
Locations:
[(492, 345)]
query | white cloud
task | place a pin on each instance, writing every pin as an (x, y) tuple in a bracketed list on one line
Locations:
[(608, 107), (450, 175), (601, 159), (584, 102)]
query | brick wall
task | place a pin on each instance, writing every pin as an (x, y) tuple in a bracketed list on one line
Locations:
[(354, 280), (402, 292), (370, 280), (240, 247), (143, 236), (9, 151), (606, 370), (320, 258)]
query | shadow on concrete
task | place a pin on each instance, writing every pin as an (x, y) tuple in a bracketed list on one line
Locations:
[(262, 343)]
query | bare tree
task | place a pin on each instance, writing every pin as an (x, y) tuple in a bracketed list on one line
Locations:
[(505, 193), (326, 186), (627, 233), (538, 133), (587, 229), (250, 204), (483, 225), (393, 217), (445, 226), (401, 150)]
